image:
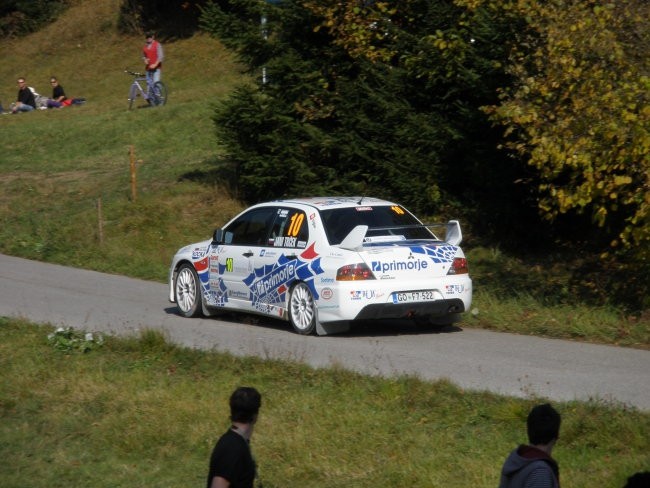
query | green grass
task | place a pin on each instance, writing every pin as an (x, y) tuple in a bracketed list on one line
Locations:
[(58, 166), (142, 412)]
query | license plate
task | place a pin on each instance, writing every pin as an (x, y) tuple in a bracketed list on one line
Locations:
[(416, 296)]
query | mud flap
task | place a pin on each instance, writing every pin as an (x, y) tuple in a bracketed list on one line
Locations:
[(332, 328)]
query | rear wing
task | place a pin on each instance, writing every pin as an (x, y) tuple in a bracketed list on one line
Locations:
[(357, 236)]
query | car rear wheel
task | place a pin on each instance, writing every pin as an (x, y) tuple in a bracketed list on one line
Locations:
[(187, 291), (302, 309)]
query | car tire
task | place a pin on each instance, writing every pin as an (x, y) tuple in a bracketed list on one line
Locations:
[(187, 291), (302, 309)]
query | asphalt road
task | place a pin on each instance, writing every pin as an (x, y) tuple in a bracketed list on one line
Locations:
[(472, 359)]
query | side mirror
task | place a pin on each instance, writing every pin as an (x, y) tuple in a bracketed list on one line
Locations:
[(217, 237)]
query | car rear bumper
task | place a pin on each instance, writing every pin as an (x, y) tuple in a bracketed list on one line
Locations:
[(438, 308)]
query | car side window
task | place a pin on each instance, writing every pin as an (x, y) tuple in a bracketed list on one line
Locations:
[(290, 229), (252, 228)]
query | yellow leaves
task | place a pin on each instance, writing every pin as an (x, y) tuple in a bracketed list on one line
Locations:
[(581, 111), (622, 180)]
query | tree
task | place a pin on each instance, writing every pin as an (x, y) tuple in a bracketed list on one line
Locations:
[(579, 112), (400, 119)]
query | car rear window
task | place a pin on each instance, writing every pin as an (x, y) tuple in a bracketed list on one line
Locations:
[(382, 220)]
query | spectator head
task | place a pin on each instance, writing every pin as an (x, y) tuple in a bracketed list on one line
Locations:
[(245, 403), (150, 35), (543, 424), (53, 80), (21, 82), (638, 480)]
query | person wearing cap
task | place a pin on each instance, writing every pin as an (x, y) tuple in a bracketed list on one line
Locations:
[(153, 56), (231, 463)]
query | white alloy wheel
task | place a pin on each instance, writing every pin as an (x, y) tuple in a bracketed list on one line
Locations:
[(187, 291), (302, 310)]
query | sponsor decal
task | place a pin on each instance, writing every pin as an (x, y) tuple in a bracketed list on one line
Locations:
[(198, 252), (275, 279), (229, 265), (454, 289), (326, 293), (238, 294), (384, 266), (362, 294), (327, 280), (438, 254), (269, 284), (285, 241)]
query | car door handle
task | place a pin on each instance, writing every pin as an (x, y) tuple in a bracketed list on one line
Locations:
[(248, 254), (291, 256)]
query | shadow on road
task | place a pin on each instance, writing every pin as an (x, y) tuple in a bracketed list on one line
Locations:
[(375, 328)]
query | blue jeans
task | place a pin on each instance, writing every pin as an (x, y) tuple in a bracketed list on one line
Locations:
[(23, 107), (153, 76)]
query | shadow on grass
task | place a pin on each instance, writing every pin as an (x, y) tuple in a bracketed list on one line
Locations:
[(222, 173)]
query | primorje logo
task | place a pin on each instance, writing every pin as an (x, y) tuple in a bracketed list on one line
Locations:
[(385, 266)]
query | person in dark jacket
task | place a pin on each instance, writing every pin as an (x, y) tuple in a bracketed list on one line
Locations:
[(26, 101), (531, 466)]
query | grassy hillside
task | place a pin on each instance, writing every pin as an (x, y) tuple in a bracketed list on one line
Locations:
[(57, 164), (59, 167)]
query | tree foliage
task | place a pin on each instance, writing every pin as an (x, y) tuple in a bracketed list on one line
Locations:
[(170, 19), (579, 111), (402, 122), (20, 17)]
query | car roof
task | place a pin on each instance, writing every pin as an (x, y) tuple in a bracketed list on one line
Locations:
[(322, 203)]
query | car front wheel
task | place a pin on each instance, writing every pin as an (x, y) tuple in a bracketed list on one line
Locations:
[(302, 309), (187, 291)]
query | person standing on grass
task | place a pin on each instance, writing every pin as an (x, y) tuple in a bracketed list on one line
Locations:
[(26, 101), (231, 463), (531, 466), (153, 56)]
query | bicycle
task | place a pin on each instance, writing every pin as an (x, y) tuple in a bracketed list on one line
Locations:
[(156, 94)]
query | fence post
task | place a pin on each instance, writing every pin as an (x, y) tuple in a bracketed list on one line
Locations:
[(100, 221), (133, 174)]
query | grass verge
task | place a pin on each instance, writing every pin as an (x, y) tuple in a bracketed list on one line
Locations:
[(142, 412)]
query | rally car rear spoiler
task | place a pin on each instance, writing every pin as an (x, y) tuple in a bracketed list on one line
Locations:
[(354, 240)]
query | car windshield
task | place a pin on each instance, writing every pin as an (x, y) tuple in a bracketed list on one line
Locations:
[(386, 223)]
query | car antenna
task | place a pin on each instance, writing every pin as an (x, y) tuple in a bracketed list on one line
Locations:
[(360, 200)]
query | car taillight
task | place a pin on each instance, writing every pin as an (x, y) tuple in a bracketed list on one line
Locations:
[(458, 267), (354, 272)]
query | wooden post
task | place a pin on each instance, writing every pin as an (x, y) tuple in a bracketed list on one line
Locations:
[(133, 174), (100, 220)]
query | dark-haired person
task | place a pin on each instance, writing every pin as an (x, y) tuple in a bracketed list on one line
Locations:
[(153, 56), (59, 98), (26, 101), (531, 466), (639, 480), (231, 463)]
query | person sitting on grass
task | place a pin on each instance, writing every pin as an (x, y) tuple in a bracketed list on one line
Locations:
[(26, 101), (59, 98)]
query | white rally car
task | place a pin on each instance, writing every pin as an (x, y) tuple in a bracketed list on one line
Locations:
[(321, 263)]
